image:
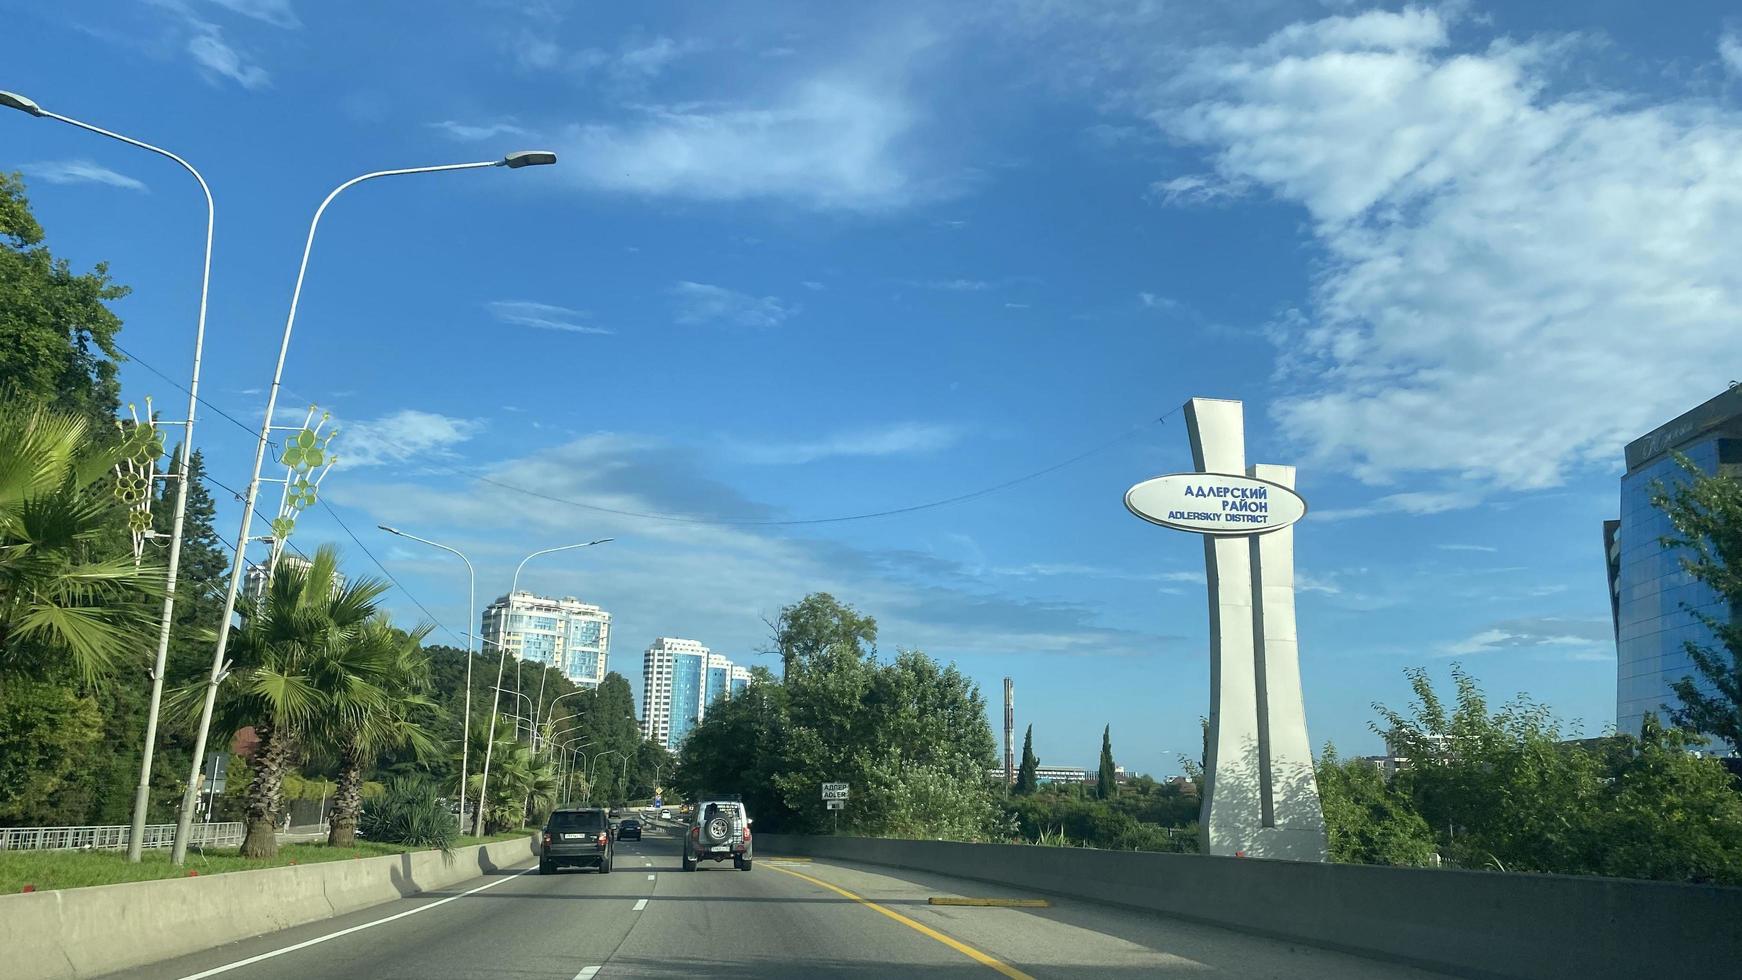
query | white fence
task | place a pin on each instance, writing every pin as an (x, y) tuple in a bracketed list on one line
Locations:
[(114, 838)]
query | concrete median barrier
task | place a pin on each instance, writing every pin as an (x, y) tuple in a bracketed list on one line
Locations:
[(1468, 923), (75, 933)]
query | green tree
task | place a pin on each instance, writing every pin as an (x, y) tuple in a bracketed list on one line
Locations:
[(71, 592), (1026, 781), (56, 335), (1706, 511), (1107, 781), (819, 631), (1502, 789), (376, 700), (910, 735), (1367, 821), (284, 679)]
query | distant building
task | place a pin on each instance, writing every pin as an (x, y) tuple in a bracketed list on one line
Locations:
[(1063, 774), (254, 583), (680, 679), (1652, 599), (568, 634)]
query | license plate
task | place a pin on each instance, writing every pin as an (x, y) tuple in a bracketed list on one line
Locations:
[(577, 836)]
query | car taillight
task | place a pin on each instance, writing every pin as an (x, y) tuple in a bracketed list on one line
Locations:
[(547, 838), (602, 839), (746, 835)]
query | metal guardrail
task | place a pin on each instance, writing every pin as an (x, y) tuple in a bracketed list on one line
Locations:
[(114, 838)]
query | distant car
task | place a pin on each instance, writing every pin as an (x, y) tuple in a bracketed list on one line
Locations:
[(579, 837), (629, 829), (665, 814), (720, 830)]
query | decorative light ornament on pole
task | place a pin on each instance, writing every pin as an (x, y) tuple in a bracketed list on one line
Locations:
[(184, 821), (136, 472), (305, 455), (142, 793), (1261, 798)]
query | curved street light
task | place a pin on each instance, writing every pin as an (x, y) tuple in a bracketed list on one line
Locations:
[(502, 656), (513, 161), (549, 709), (471, 604), (514, 587), (142, 795)]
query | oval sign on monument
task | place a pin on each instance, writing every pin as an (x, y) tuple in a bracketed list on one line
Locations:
[(1215, 503)]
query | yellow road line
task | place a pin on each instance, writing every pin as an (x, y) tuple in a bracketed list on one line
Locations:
[(981, 958), (992, 903)]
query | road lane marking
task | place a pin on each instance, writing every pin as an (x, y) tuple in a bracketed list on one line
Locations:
[(652, 877), (226, 968), (587, 973), (970, 952), (640, 905)]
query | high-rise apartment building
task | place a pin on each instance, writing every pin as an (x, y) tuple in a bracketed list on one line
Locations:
[(1653, 600), (254, 583), (568, 634), (680, 678)]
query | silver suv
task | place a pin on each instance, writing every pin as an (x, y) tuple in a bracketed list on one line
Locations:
[(720, 830)]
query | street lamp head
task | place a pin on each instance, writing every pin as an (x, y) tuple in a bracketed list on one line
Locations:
[(525, 158), (601, 541), (13, 100), (389, 530)]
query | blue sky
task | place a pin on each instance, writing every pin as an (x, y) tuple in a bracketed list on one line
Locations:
[(795, 266)]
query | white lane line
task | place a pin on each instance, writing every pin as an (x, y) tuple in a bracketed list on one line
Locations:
[(586, 973), (640, 905), (652, 877), (226, 968)]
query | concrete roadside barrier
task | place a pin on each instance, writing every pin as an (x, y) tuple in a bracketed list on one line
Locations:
[(1467, 923), (75, 933)]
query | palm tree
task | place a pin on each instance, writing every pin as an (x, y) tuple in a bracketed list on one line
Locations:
[(519, 784), (377, 686), (285, 680), (71, 591)]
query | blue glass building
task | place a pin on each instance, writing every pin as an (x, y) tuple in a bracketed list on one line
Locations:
[(1652, 599), (680, 679)]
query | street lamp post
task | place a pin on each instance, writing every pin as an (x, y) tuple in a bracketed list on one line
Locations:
[(142, 795), (237, 566), (515, 587), (549, 709), (501, 665), (471, 608)]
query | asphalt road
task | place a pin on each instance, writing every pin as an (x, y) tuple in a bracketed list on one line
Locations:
[(785, 919)]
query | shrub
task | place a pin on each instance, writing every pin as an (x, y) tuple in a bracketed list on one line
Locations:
[(410, 811)]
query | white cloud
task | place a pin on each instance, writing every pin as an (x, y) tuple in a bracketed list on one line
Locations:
[(1730, 52), (470, 132), (1498, 250), (813, 285), (1466, 547), (1191, 190), (700, 302), (1417, 502), (78, 172), (904, 438), (1151, 301), (406, 436), (713, 582), (275, 12), (215, 56), (952, 285), (1571, 639), (829, 143), (544, 316)]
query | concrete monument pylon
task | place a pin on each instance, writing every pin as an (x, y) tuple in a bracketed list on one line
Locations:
[(1261, 797)]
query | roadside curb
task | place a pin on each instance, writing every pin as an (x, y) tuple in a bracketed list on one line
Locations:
[(79, 933)]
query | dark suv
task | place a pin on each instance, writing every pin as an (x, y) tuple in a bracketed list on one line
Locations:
[(581, 837)]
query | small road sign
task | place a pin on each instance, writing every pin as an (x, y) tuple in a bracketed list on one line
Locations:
[(836, 804), (834, 791)]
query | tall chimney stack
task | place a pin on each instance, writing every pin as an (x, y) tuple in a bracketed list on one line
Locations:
[(1009, 733)]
